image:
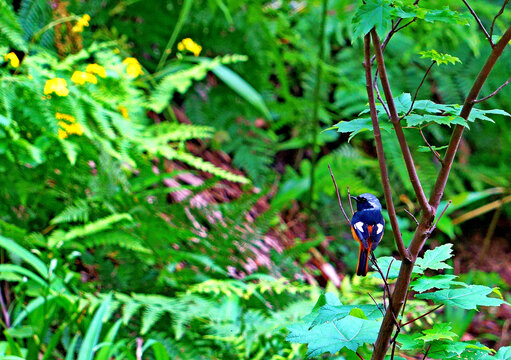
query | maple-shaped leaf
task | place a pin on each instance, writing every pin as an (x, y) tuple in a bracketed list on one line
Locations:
[(331, 313), (466, 350), (425, 283), (438, 332), (349, 332), (359, 125), (439, 57), (372, 14), (434, 259), (469, 297)]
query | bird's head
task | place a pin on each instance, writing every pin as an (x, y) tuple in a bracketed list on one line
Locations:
[(367, 201)]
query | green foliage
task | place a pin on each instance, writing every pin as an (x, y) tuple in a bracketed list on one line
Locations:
[(439, 58)]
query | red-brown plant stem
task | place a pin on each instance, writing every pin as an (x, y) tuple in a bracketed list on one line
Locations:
[(438, 190), (394, 117), (380, 153), (483, 29), (426, 222)]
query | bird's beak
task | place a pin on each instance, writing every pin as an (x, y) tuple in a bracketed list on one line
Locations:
[(354, 197)]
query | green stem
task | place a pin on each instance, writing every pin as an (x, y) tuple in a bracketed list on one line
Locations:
[(316, 96), (180, 21)]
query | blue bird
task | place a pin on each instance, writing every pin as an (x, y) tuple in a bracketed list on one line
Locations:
[(367, 227)]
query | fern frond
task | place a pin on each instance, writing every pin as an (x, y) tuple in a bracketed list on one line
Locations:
[(78, 212), (10, 29)]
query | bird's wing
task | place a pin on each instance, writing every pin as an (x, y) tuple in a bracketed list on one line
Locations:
[(360, 229)]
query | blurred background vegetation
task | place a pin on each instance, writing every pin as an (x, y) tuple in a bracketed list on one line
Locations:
[(164, 183)]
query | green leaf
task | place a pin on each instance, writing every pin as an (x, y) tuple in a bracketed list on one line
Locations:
[(359, 125), (439, 57), (425, 283), (349, 332), (329, 313), (374, 13), (384, 262), (445, 15), (504, 353), (21, 270), (434, 259), (435, 148), (24, 254), (91, 338), (438, 332), (414, 120), (410, 341), (445, 349), (480, 114), (469, 297), (242, 88)]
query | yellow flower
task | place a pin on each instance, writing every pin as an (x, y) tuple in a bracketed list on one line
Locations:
[(81, 78), (124, 112), (57, 86), (68, 128), (96, 69), (189, 45), (133, 67), (83, 21), (15, 62)]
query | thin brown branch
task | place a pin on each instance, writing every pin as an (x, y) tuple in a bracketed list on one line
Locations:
[(388, 270), (501, 11), (338, 196), (483, 29), (349, 200), (441, 214), (359, 356), (410, 166), (413, 217), (437, 155), (375, 303), (379, 151), (375, 263), (423, 315), (426, 353), (439, 187), (378, 96), (493, 93), (405, 25), (394, 343), (417, 91)]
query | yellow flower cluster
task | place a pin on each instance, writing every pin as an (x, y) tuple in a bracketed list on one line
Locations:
[(189, 45), (69, 126), (96, 69), (15, 62), (133, 67), (57, 86), (80, 78), (81, 23)]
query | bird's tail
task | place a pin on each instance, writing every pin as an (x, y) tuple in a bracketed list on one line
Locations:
[(363, 260)]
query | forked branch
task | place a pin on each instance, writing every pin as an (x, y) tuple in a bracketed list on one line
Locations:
[(379, 151), (394, 117)]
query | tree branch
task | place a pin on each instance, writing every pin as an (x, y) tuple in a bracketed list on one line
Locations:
[(339, 196), (438, 190), (379, 151), (417, 91), (410, 166), (501, 11), (493, 93), (479, 22), (437, 155)]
